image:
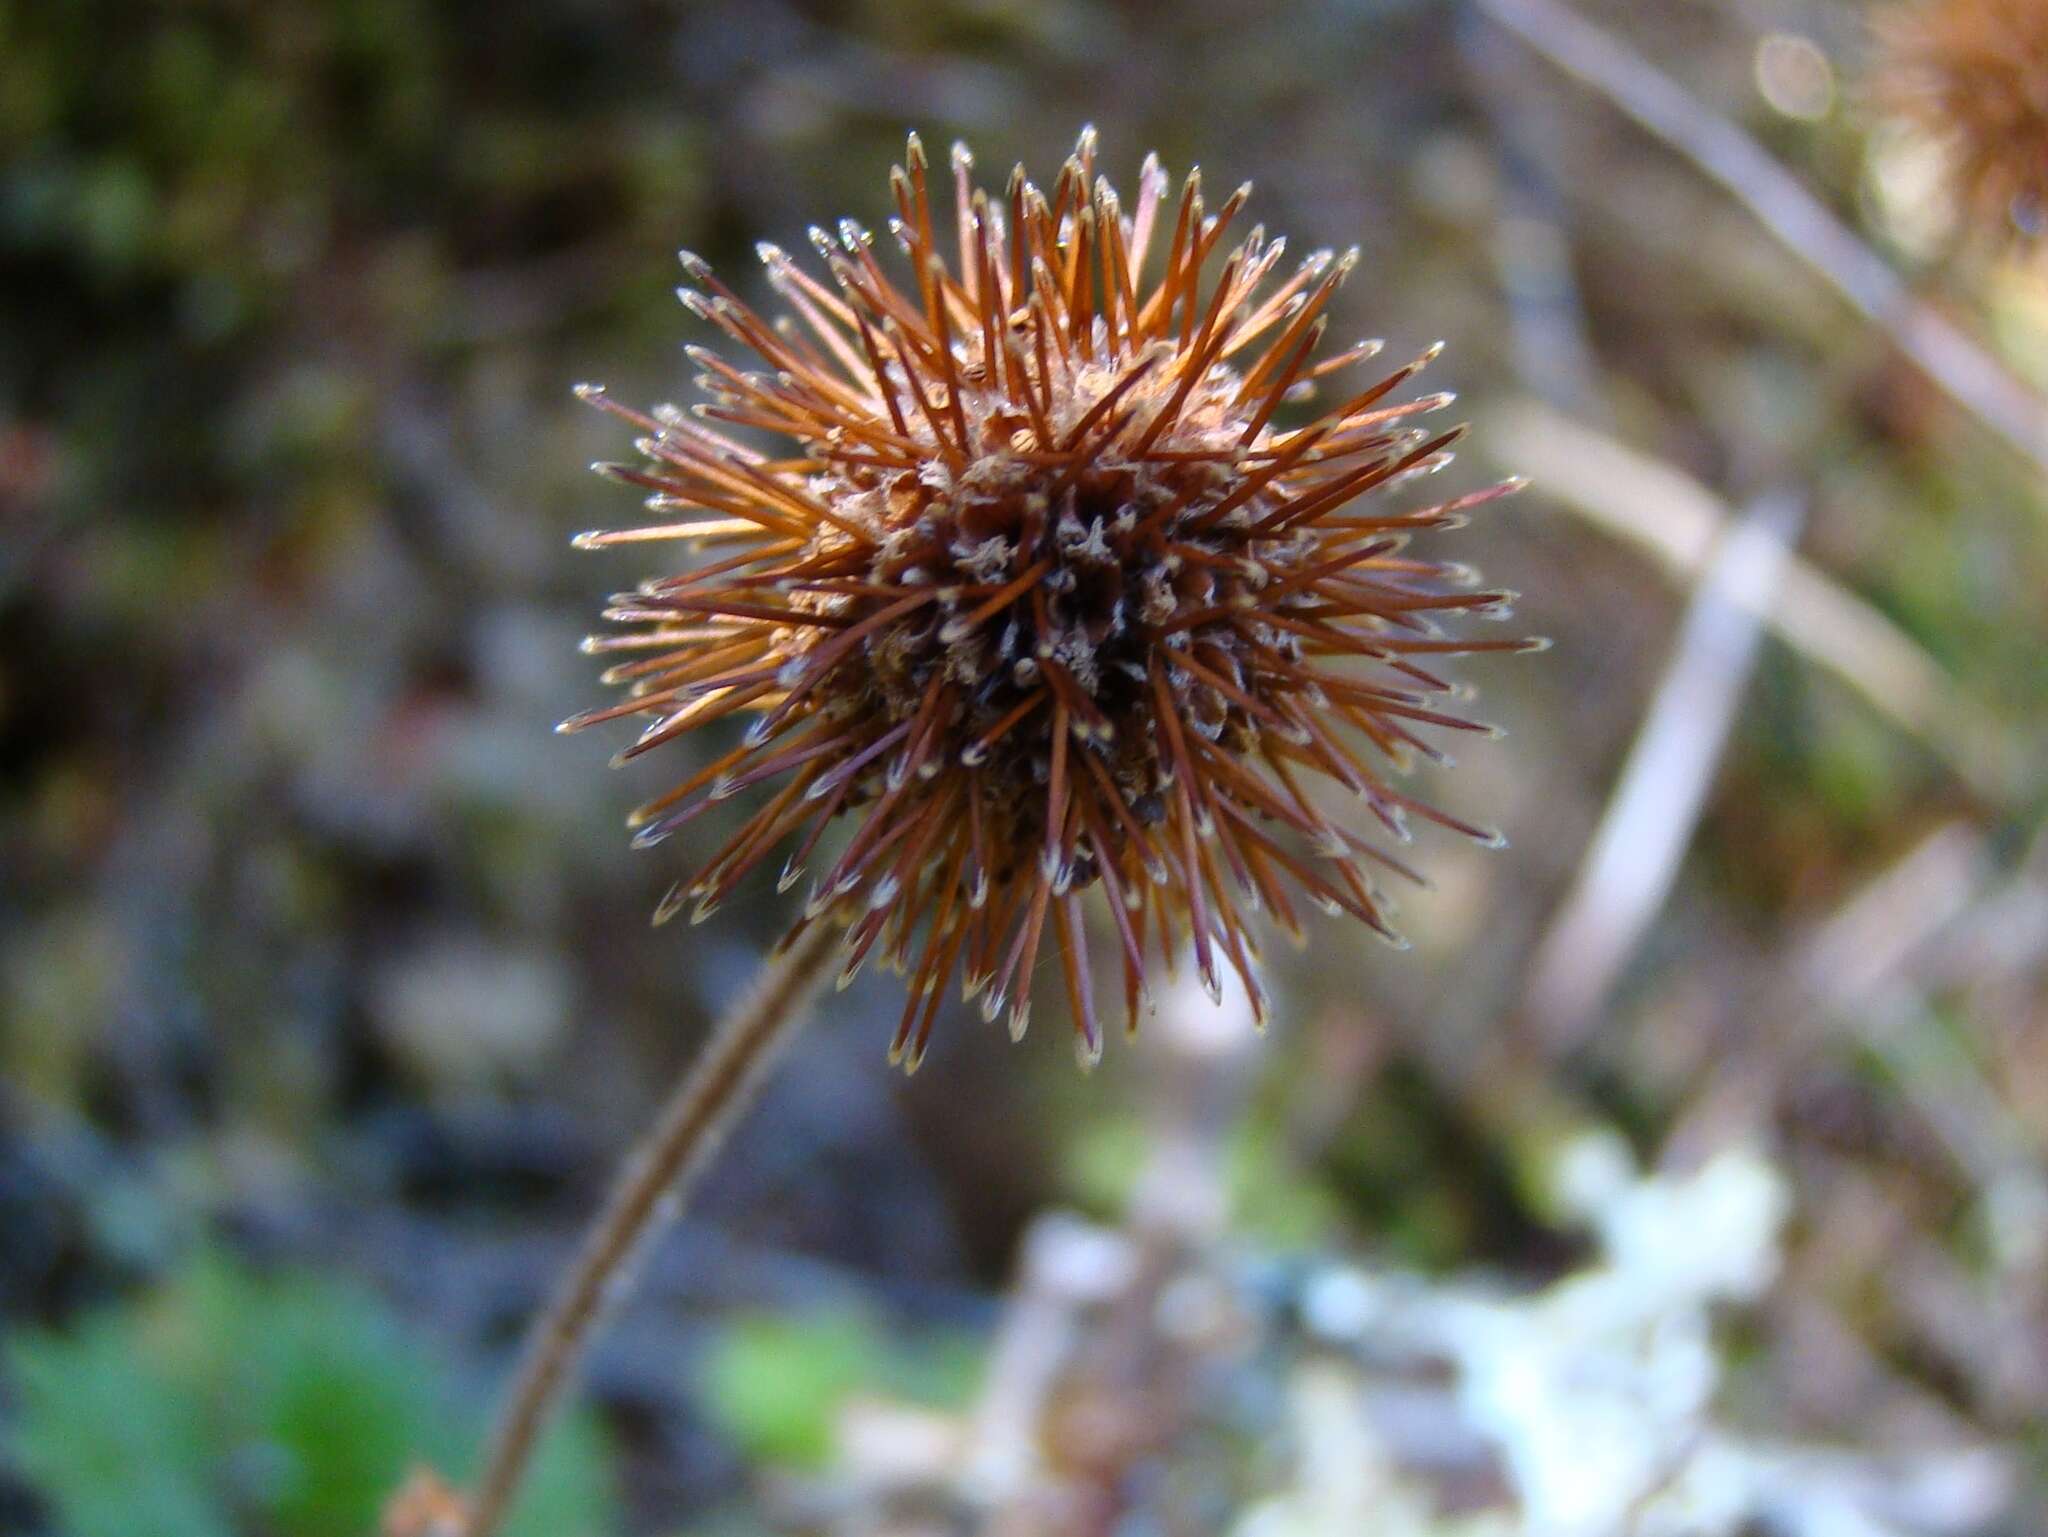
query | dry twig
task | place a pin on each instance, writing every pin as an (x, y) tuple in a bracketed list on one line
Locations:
[(1657, 507), (1635, 854), (1970, 375)]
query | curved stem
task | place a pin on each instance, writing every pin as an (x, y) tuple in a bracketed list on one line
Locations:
[(649, 1193)]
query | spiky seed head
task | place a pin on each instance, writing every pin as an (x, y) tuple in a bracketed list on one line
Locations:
[(1040, 592), (1973, 75)]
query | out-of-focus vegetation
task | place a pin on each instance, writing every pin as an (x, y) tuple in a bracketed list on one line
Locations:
[(321, 956), (777, 1384), (226, 1399)]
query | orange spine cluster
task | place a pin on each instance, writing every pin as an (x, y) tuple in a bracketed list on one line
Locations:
[(1042, 596)]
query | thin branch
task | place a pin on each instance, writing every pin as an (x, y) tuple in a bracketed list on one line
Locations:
[(649, 1193), (1551, 341), (1642, 838), (1970, 375), (1657, 507)]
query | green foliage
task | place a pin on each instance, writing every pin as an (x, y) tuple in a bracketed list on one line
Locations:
[(775, 1384), (1272, 1198), (1102, 1156), (230, 1401)]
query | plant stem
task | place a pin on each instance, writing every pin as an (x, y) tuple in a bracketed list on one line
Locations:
[(649, 1193)]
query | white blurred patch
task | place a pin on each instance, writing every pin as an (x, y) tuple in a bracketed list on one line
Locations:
[(461, 1013), (1594, 1390), (1910, 178), (1590, 1401), (1795, 77)]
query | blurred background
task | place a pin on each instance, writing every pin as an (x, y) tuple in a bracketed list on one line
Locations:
[(1689, 1176)]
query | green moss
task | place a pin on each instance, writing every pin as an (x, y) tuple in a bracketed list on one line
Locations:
[(775, 1385)]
